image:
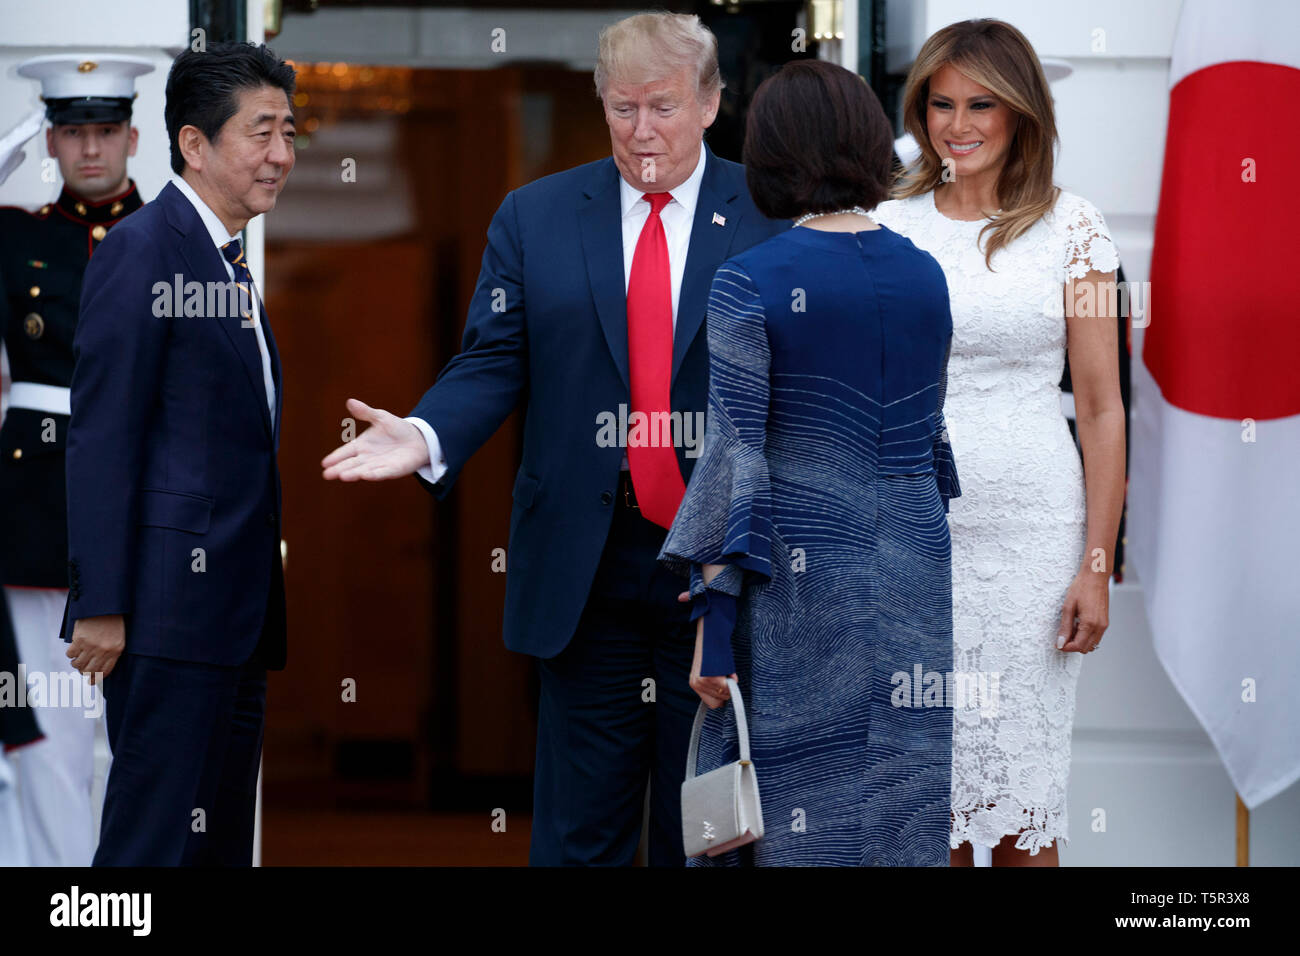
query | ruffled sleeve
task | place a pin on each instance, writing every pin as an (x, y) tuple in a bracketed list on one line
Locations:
[(1088, 245), (945, 467), (726, 516)]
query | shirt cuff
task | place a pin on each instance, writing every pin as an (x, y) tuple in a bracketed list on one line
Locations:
[(719, 612), (437, 467)]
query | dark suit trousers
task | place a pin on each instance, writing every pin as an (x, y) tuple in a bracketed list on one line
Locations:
[(185, 737), (598, 737)]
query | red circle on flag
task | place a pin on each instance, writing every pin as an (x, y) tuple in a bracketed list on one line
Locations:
[(1224, 333)]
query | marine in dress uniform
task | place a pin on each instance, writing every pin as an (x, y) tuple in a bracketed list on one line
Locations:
[(42, 257)]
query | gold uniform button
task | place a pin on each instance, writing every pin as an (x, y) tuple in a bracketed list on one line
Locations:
[(115, 209), (81, 208), (34, 325), (45, 210), (18, 453), (35, 291), (98, 233)]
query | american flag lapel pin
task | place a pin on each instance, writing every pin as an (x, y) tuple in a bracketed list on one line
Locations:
[(719, 220)]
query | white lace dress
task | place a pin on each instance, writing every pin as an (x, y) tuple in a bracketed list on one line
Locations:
[(1018, 530)]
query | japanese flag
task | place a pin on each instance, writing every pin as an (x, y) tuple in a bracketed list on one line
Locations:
[(1214, 493)]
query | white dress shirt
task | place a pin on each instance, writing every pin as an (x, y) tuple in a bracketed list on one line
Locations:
[(677, 216), (217, 232)]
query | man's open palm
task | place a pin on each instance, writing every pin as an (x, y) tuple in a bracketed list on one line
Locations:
[(389, 448)]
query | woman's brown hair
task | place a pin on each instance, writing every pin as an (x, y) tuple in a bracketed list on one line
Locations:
[(816, 140), (997, 56)]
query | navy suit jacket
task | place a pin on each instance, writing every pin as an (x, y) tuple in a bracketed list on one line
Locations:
[(171, 449), (553, 341)]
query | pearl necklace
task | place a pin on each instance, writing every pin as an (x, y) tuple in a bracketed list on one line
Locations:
[(838, 212)]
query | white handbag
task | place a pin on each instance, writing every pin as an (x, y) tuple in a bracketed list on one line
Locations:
[(720, 809)]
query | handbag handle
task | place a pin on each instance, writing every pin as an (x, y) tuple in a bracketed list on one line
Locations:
[(742, 729)]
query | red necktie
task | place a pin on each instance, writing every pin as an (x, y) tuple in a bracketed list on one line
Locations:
[(655, 475)]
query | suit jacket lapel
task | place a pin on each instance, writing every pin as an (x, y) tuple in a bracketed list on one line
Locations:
[(207, 265), (601, 222), (707, 250)]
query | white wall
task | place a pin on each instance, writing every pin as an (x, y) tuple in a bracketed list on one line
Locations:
[(1139, 755)]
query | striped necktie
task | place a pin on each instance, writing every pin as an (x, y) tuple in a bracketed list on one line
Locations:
[(234, 254)]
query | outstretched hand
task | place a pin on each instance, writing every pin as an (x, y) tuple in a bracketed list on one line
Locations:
[(389, 448)]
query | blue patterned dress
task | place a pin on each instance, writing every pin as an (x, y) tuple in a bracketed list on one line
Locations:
[(822, 486)]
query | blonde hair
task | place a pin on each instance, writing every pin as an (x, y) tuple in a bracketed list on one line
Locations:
[(651, 46), (997, 56)]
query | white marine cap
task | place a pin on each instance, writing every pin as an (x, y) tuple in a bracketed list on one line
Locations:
[(86, 87)]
